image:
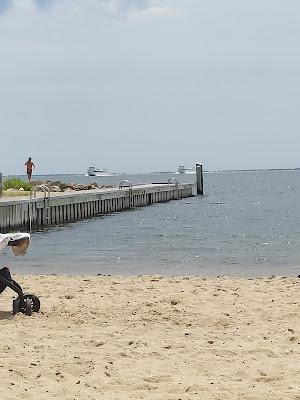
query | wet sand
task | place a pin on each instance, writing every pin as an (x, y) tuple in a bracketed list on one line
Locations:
[(152, 337)]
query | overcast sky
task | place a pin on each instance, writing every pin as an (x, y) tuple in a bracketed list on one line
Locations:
[(144, 85)]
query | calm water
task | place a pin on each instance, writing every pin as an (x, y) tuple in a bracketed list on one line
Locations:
[(248, 224)]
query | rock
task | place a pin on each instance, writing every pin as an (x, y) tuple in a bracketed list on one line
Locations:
[(105, 186), (58, 186), (78, 187), (54, 188), (54, 183)]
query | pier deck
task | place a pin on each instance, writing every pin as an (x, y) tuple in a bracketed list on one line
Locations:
[(25, 213)]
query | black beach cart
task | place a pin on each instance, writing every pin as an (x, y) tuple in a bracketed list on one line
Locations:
[(24, 302)]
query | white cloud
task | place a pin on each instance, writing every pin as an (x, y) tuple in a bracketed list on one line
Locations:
[(155, 11), (110, 8)]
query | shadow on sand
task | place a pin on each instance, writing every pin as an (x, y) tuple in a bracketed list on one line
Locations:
[(6, 315)]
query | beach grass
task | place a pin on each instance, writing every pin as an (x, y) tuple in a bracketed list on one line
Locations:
[(16, 183)]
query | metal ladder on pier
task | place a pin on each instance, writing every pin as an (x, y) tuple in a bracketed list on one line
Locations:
[(127, 184), (45, 189), (174, 181)]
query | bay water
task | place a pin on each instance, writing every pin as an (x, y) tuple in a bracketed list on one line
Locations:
[(246, 224)]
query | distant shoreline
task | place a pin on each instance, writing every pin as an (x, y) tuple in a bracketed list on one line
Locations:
[(164, 172)]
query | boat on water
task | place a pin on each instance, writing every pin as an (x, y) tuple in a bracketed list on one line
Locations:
[(183, 170), (93, 171)]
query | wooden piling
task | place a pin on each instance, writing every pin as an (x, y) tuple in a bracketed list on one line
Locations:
[(199, 178)]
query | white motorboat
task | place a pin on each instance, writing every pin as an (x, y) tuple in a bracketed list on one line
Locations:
[(183, 170), (93, 171)]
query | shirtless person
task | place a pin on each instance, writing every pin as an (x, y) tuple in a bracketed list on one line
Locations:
[(29, 166)]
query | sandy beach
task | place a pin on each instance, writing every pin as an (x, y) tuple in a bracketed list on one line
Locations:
[(152, 337)]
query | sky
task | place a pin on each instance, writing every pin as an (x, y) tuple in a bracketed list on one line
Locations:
[(146, 85)]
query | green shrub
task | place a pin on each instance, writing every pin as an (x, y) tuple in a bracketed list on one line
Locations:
[(16, 183)]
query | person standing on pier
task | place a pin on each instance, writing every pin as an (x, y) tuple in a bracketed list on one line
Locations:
[(29, 166)]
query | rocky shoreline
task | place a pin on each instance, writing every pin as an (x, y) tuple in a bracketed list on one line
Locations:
[(59, 186)]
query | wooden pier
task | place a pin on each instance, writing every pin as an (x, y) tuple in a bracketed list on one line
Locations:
[(58, 208)]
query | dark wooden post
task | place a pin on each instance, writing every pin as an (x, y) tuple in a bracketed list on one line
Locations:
[(199, 178), (0, 184)]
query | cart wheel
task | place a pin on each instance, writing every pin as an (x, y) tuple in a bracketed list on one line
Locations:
[(28, 306), (16, 305), (35, 302)]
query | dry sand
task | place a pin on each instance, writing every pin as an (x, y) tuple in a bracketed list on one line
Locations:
[(152, 338)]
